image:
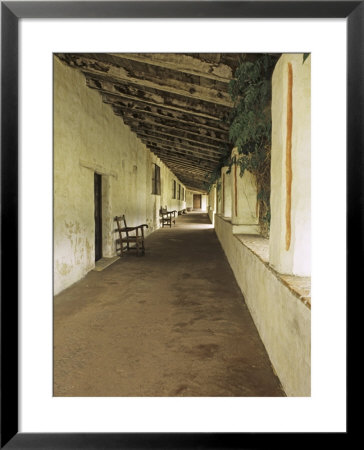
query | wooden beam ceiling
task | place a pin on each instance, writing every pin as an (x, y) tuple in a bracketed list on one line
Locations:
[(155, 97), (174, 102), (130, 72), (163, 112), (184, 129)]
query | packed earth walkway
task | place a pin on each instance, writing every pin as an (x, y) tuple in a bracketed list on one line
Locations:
[(170, 323)]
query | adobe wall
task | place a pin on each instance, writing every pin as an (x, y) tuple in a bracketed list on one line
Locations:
[(282, 319), (290, 228), (89, 138), (280, 314)]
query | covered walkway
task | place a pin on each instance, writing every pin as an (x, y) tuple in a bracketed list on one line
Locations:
[(171, 323)]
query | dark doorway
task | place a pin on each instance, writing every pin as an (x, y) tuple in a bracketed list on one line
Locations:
[(98, 217), (196, 201)]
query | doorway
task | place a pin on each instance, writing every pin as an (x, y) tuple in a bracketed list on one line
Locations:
[(196, 201), (98, 216)]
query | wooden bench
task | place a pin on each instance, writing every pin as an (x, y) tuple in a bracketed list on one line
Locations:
[(133, 237), (166, 217)]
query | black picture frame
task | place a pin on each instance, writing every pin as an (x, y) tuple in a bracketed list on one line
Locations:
[(11, 12)]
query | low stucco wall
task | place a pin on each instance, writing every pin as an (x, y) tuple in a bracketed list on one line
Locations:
[(282, 320), (89, 138)]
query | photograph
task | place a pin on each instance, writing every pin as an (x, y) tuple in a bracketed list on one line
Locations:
[(179, 179), (182, 226)]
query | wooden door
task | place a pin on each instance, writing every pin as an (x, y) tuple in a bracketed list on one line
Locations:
[(196, 201), (98, 216)]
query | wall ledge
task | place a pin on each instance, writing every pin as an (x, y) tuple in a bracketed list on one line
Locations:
[(278, 304), (259, 246), (240, 228)]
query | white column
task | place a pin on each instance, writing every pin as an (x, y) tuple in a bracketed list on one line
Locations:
[(290, 229), (226, 192), (245, 209), (219, 196), (212, 203)]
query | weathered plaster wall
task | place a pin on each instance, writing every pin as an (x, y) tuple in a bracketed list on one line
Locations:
[(219, 196), (226, 186), (212, 203), (244, 201), (189, 199), (281, 318), (290, 228), (167, 193), (89, 138), (244, 197), (204, 202)]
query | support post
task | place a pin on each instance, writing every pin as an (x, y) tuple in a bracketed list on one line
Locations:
[(245, 211), (290, 229), (226, 192)]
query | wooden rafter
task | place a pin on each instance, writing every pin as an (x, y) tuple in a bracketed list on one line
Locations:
[(193, 139), (190, 64), (180, 129), (175, 103), (172, 143), (155, 97), (122, 71), (121, 104)]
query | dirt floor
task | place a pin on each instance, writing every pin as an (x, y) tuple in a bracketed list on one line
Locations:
[(170, 323)]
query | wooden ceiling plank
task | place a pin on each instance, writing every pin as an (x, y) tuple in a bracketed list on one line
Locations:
[(178, 172), (163, 155), (178, 157), (187, 154), (183, 63), (183, 164), (182, 172), (191, 129), (125, 73), (157, 98), (172, 132), (121, 104), (177, 141), (199, 152), (198, 162), (193, 178)]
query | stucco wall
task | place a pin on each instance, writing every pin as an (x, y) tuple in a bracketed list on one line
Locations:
[(212, 203), (189, 199), (282, 320), (167, 193), (244, 198), (204, 202), (226, 186), (89, 138), (291, 78)]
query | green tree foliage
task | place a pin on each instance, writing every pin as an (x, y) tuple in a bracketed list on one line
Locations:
[(214, 176), (251, 125)]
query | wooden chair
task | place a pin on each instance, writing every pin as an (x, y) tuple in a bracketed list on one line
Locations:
[(133, 237), (166, 217)]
